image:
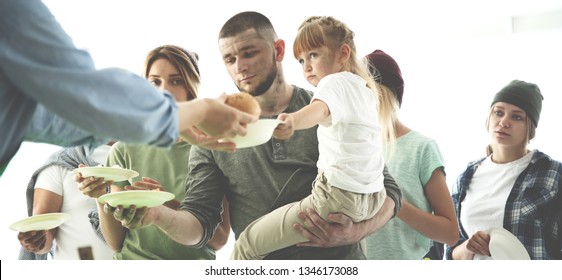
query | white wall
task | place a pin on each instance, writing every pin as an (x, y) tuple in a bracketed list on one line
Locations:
[(453, 59)]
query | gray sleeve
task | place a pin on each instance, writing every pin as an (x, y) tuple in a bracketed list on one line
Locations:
[(204, 192), (392, 190)]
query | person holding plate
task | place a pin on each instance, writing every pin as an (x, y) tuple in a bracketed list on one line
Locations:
[(176, 70), (52, 189), (513, 188)]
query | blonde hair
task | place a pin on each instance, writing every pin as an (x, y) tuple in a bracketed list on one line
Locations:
[(531, 130), (185, 61), (319, 31)]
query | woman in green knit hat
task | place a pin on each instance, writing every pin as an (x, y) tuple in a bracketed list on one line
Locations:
[(514, 190)]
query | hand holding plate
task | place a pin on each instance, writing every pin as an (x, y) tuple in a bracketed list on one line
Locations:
[(93, 187), (147, 184), (478, 243), (285, 129), (33, 241), (130, 217)]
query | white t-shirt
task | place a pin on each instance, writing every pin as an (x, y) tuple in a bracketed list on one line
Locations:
[(76, 232), (349, 141), (483, 208)]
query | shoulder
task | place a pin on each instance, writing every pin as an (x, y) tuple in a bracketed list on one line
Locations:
[(545, 161), (122, 147), (301, 97), (419, 141), (301, 92), (339, 79), (417, 136), (54, 169)]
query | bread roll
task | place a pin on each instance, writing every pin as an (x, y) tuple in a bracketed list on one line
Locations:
[(244, 102)]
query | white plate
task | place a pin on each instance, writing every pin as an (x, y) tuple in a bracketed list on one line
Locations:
[(505, 246), (40, 222), (116, 174), (137, 198), (257, 133)]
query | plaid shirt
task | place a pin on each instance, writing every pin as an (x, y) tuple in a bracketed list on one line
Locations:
[(533, 211)]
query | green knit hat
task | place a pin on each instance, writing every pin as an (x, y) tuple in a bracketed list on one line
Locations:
[(526, 96)]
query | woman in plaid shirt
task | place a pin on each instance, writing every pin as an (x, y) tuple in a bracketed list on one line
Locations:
[(513, 187)]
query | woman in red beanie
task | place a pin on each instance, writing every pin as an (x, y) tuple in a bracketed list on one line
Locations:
[(417, 165)]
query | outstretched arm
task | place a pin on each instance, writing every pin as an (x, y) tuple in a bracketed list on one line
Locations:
[(306, 117)]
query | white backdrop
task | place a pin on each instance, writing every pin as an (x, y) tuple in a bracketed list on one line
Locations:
[(454, 58)]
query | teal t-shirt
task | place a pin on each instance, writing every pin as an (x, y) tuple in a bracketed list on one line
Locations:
[(170, 168), (412, 163)]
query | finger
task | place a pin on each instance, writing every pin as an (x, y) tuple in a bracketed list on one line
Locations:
[(222, 98), (38, 246), (25, 235), (220, 146), (150, 180), (311, 227), (128, 216), (312, 239), (476, 245), (318, 222), (136, 220), (108, 209), (78, 177), (339, 218), (37, 241), (89, 183), (119, 213), (144, 185), (245, 118)]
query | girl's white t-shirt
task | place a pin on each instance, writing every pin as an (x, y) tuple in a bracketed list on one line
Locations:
[(349, 141)]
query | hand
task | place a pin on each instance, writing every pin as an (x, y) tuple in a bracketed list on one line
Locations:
[(478, 243), (194, 136), (131, 218), (151, 184), (92, 186), (221, 120), (33, 241), (146, 184), (339, 230), (286, 128)]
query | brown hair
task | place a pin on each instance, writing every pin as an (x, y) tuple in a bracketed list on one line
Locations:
[(185, 61), (249, 20)]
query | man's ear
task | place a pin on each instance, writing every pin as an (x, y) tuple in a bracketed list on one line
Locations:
[(279, 46)]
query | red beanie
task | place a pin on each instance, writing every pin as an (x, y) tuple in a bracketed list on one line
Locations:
[(387, 72)]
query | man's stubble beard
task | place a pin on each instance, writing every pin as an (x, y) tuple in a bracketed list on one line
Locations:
[(264, 86)]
